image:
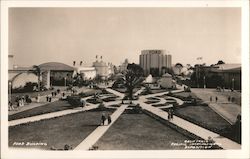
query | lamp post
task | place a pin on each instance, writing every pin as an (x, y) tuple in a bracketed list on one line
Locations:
[(204, 80), (65, 80), (232, 83), (10, 85)]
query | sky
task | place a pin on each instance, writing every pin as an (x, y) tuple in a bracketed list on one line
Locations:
[(39, 35)]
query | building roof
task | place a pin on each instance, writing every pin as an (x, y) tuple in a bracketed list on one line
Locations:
[(227, 68), (149, 79), (166, 75), (99, 64), (56, 66)]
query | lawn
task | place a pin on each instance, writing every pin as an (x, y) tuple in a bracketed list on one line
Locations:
[(69, 129), (203, 116), (47, 108), (139, 132)]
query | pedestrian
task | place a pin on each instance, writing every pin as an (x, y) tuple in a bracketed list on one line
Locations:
[(52, 93), (169, 114), (47, 98), (83, 103), (63, 94), (103, 118), (216, 99), (109, 119), (55, 93), (229, 99), (172, 114), (11, 106), (211, 98), (50, 99), (232, 99)]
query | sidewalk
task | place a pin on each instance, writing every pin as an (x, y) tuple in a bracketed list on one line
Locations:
[(87, 143), (223, 142), (32, 105), (139, 91), (50, 115), (121, 95), (225, 109)]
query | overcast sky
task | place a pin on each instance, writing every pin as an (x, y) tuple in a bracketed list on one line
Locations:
[(38, 35)]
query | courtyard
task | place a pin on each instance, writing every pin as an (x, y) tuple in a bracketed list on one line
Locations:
[(147, 127)]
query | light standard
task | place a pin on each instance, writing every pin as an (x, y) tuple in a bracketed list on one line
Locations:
[(65, 81), (204, 80), (232, 83), (10, 85)]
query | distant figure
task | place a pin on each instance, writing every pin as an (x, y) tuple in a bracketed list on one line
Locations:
[(47, 98), (172, 113), (109, 119), (50, 99), (103, 119), (63, 94), (38, 98), (229, 99), (216, 99), (83, 103), (232, 99), (169, 116), (11, 106), (52, 93), (211, 98)]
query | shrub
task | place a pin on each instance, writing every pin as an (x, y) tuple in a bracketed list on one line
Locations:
[(74, 100)]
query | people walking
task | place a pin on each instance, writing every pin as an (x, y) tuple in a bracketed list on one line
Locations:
[(109, 119), (211, 98), (229, 99), (172, 114), (232, 99), (47, 98), (169, 114), (103, 118), (216, 99)]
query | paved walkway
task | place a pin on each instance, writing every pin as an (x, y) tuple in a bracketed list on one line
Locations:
[(50, 115), (139, 91), (225, 109), (121, 95), (87, 143), (223, 142), (32, 105), (35, 104)]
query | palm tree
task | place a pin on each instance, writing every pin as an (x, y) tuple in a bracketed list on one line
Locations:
[(37, 70), (132, 78)]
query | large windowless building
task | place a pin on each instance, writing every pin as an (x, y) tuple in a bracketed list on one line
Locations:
[(155, 62)]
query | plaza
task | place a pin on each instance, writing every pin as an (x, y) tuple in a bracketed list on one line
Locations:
[(132, 128)]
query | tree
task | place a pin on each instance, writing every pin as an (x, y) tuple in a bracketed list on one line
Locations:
[(178, 65), (132, 78), (78, 80), (220, 62), (37, 70)]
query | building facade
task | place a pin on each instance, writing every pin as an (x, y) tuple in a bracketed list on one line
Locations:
[(103, 69), (155, 62)]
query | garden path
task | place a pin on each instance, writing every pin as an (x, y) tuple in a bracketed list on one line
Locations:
[(223, 142), (87, 143)]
